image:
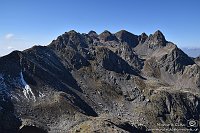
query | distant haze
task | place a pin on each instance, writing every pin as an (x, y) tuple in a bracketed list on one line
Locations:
[(192, 52)]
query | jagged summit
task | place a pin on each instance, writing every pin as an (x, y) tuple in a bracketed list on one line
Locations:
[(159, 35), (92, 33), (144, 34), (75, 39), (107, 36), (123, 32), (127, 37), (157, 39), (142, 38), (72, 32)]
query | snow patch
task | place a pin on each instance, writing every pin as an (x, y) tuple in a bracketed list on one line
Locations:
[(27, 89)]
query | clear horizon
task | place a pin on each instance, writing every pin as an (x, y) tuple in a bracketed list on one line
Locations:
[(27, 23)]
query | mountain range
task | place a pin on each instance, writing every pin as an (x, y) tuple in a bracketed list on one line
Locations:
[(193, 52), (108, 82)]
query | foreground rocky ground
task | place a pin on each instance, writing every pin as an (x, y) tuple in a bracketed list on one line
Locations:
[(100, 83)]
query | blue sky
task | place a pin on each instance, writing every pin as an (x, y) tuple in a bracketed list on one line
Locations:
[(24, 23)]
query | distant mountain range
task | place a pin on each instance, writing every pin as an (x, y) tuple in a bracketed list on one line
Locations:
[(192, 52), (106, 83)]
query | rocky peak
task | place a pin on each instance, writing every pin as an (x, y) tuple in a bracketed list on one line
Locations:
[(72, 32), (15, 55), (107, 36), (9, 62), (127, 37), (156, 40), (142, 38), (92, 33), (159, 35), (71, 38)]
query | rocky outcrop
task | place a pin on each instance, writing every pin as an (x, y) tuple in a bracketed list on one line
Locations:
[(175, 61), (107, 36), (174, 107), (127, 37), (72, 39), (126, 52), (156, 40), (92, 34), (142, 38), (110, 61)]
